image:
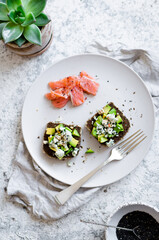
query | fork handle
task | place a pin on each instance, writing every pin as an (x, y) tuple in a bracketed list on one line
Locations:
[(64, 195)]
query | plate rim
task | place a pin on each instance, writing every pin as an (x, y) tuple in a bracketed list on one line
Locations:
[(81, 55)]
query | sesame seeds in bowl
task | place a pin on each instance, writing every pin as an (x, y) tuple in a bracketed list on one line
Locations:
[(131, 215)]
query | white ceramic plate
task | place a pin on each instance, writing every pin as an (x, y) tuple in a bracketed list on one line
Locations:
[(119, 84), (113, 220)]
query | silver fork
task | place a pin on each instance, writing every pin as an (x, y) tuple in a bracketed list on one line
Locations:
[(117, 153)]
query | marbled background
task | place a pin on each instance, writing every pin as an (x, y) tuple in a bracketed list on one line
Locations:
[(76, 25)]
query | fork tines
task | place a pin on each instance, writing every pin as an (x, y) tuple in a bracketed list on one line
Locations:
[(135, 139)]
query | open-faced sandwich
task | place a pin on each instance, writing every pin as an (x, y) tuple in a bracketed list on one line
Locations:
[(61, 141), (108, 125)]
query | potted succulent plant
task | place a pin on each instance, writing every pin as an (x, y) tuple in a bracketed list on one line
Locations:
[(24, 28)]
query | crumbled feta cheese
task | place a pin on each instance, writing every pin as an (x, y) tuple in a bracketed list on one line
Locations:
[(59, 119), (105, 122), (55, 140), (112, 117), (63, 138), (114, 132), (110, 130), (57, 136), (60, 143), (99, 126), (45, 142), (62, 128), (53, 145), (110, 143), (69, 164), (68, 136), (65, 146), (75, 151), (100, 129), (59, 153)]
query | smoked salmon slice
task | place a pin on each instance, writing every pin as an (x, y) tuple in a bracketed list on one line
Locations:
[(61, 92), (83, 73), (88, 85), (68, 82), (58, 93), (58, 84), (71, 88), (77, 96), (48, 96), (60, 102)]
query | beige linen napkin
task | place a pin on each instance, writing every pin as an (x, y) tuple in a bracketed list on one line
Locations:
[(31, 187)]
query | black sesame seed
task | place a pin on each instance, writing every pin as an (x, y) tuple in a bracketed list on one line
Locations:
[(148, 227)]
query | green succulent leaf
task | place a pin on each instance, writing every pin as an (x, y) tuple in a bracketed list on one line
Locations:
[(13, 4), (35, 6), (11, 32), (20, 41), (12, 16), (29, 19), (32, 34), (1, 29), (24, 3), (20, 11), (3, 1), (20, 20), (42, 20), (3, 12)]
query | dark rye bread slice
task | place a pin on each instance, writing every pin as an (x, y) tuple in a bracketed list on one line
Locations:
[(50, 152), (125, 123)]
